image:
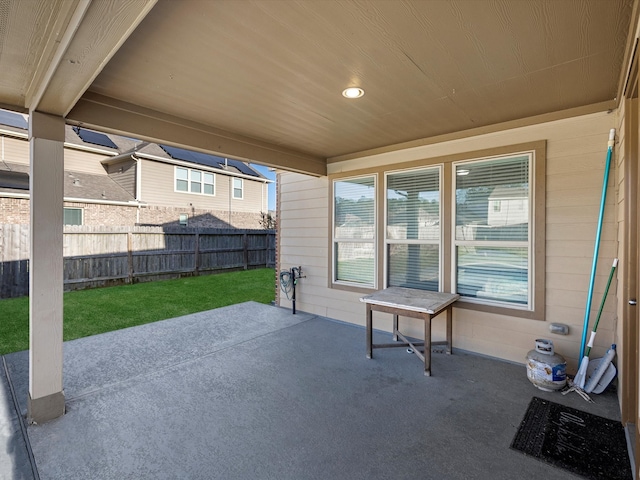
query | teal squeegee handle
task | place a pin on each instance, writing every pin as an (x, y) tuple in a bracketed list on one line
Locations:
[(605, 181)]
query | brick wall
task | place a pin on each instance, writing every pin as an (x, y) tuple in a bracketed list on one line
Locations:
[(170, 216), (98, 214), (16, 211)]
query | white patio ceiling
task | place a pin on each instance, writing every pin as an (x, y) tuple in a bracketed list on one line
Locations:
[(262, 80)]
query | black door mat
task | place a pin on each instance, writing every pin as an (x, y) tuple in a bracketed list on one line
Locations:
[(584, 444)]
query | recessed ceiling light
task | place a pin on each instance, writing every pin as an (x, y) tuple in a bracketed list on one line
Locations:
[(352, 92), (462, 172)]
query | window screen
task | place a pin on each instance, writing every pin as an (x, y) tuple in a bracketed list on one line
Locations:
[(492, 218), (413, 229), (354, 231)]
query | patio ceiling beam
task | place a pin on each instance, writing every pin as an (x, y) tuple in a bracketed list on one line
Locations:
[(108, 114)]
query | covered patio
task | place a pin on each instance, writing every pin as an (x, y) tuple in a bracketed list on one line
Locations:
[(253, 391), (441, 84)]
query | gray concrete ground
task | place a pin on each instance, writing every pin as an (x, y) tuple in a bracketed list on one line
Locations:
[(252, 391)]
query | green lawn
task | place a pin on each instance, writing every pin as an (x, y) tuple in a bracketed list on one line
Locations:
[(89, 312)]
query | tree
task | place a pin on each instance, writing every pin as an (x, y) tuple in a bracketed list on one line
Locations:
[(267, 221)]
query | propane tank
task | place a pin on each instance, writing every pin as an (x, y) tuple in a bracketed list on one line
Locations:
[(546, 369)]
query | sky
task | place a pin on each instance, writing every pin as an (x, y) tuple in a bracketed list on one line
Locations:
[(266, 171)]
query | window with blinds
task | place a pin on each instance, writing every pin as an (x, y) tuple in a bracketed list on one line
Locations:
[(354, 212), (492, 241), (413, 229)]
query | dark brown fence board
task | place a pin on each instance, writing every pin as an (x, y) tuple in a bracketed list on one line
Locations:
[(100, 256)]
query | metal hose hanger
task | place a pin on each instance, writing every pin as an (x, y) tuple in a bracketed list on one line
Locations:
[(286, 283)]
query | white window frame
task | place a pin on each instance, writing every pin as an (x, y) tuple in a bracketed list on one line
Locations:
[(241, 188), (190, 179), (529, 243), (438, 242), (335, 240), (81, 210)]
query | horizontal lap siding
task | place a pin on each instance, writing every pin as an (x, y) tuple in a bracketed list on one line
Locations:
[(252, 200), (124, 174), (576, 150), (16, 150), (158, 189), (82, 161), (303, 224)]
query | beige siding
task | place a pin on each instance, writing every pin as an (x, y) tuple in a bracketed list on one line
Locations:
[(576, 150), (158, 189), (83, 161), (124, 174), (14, 150), (252, 196)]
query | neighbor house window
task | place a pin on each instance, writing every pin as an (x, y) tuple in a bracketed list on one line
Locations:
[(182, 179), (237, 188), (72, 216), (354, 213), (413, 229), (194, 181), (492, 240)]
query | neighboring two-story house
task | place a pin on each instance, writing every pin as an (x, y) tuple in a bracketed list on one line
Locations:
[(112, 180)]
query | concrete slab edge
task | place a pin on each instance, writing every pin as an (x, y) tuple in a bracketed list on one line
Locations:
[(21, 421)]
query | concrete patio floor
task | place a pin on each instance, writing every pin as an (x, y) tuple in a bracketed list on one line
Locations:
[(252, 391)]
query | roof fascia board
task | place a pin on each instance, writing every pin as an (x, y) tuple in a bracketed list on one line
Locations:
[(114, 116), (74, 146), (131, 203), (26, 196), (120, 158), (11, 133)]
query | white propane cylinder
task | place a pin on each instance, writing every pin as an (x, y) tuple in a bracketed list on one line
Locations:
[(546, 369)]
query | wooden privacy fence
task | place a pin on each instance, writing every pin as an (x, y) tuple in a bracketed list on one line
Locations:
[(100, 256)]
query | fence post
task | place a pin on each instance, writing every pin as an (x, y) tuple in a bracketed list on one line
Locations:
[(197, 253), (130, 255), (245, 241)]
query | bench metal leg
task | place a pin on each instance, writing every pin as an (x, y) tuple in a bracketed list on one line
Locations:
[(427, 345), (449, 314), (395, 328), (369, 331)]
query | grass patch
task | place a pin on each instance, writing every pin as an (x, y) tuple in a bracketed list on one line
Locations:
[(90, 312)]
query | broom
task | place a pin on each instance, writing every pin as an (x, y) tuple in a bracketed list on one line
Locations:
[(582, 371), (605, 180)]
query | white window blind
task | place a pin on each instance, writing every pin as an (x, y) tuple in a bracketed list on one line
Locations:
[(354, 231), (413, 229), (492, 230)]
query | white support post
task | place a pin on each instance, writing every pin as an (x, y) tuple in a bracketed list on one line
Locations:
[(46, 142)]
